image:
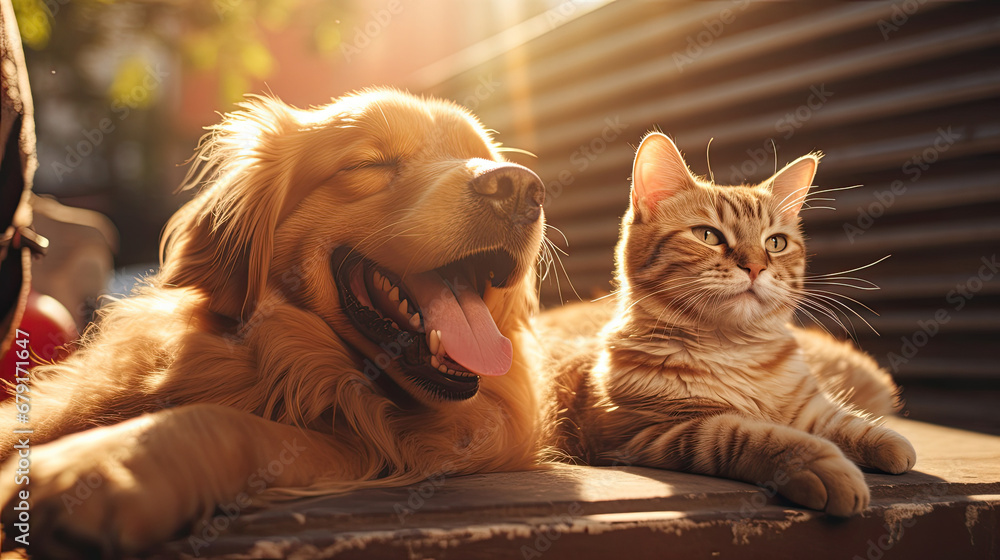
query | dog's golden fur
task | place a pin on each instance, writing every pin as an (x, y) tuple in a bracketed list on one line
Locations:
[(238, 352)]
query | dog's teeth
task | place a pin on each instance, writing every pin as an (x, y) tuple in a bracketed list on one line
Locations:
[(394, 295), (435, 363), (385, 284), (403, 308), (394, 325), (377, 278), (434, 341), (452, 372), (442, 369), (440, 343), (415, 321)]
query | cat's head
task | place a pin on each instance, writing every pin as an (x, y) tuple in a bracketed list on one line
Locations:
[(697, 254)]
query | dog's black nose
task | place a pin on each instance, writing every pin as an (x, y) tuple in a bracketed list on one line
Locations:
[(515, 190)]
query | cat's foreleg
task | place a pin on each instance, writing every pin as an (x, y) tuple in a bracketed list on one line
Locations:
[(862, 438), (843, 369), (804, 468)]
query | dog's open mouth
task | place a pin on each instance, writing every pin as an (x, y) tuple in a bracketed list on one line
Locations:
[(434, 324)]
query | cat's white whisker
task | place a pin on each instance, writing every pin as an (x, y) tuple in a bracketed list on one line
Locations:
[(678, 312), (825, 277), (664, 287), (852, 300), (848, 271), (561, 234), (821, 191), (544, 265), (817, 321), (844, 284), (835, 301), (774, 150), (784, 204), (708, 160), (558, 264), (605, 296), (548, 263), (670, 303), (832, 313)]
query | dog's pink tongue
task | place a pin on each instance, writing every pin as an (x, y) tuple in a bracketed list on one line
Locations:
[(470, 336)]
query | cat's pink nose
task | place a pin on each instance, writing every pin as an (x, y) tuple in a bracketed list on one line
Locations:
[(753, 270)]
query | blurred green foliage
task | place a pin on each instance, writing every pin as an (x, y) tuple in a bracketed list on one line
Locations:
[(33, 22), (101, 71), (224, 36)]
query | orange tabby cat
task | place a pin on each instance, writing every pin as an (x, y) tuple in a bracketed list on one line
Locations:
[(698, 368)]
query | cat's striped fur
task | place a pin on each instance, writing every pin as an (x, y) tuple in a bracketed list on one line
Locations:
[(698, 369)]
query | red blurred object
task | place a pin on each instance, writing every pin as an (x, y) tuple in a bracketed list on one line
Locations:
[(49, 327)]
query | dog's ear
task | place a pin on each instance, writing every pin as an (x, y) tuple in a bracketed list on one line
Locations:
[(221, 241)]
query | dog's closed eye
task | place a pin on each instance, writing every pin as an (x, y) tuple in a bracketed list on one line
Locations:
[(368, 164)]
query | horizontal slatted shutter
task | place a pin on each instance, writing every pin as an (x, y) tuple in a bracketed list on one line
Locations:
[(902, 96)]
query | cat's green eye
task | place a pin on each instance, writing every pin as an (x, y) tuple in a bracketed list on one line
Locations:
[(708, 235), (776, 243)]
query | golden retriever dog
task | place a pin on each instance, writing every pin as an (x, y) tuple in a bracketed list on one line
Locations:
[(344, 304)]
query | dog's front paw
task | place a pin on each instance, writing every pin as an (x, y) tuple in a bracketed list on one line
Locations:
[(94, 494), (830, 483)]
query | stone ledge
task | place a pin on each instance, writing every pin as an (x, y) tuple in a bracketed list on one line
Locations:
[(948, 507)]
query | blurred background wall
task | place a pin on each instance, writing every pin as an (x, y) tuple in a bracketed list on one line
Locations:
[(124, 88), (902, 96)]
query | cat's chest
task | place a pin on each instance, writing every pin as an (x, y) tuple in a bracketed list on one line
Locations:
[(757, 380)]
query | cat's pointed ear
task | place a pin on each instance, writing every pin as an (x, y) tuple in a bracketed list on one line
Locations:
[(790, 185), (658, 172)]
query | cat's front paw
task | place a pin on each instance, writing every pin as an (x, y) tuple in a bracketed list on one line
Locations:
[(889, 452), (93, 494), (830, 483)]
